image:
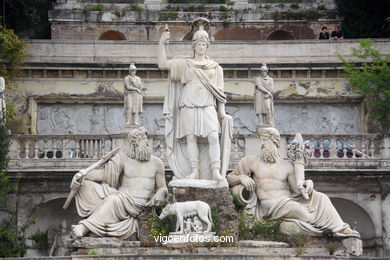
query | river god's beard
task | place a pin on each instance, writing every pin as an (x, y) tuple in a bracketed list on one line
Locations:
[(140, 150), (269, 152)]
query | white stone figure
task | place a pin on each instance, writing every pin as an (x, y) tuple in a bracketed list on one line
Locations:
[(133, 97), (59, 247), (188, 208), (188, 225), (197, 225), (2, 97), (111, 198), (264, 103), (297, 152), (273, 179), (193, 109)]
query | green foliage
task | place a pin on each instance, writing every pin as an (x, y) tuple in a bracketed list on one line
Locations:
[(40, 241), (321, 7), (308, 14), (29, 18), (216, 219), (196, 1), (297, 241), (223, 8), (371, 78), (11, 244), (250, 228), (12, 52), (157, 227), (98, 8), (136, 7), (294, 6), (364, 18), (231, 3), (168, 16)]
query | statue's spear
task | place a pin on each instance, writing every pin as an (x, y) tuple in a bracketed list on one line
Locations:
[(97, 164)]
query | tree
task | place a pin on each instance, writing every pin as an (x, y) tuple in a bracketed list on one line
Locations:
[(364, 18), (29, 18), (371, 78), (12, 54)]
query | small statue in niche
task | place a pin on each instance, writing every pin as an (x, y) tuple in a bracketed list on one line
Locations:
[(59, 247), (133, 97), (264, 102)]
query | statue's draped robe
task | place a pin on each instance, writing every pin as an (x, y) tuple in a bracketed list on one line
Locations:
[(109, 212), (324, 218), (133, 100), (190, 108), (264, 105)]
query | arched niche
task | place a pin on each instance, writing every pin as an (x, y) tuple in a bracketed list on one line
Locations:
[(47, 218), (355, 216), (112, 35), (280, 35)]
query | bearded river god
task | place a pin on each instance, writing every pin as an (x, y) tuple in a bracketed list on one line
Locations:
[(278, 194), (112, 197), (193, 108)]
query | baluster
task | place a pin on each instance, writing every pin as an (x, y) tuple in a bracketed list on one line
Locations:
[(54, 149), (65, 148), (95, 151), (103, 147), (45, 149), (363, 147), (332, 147), (162, 149), (78, 148), (372, 147), (235, 148), (26, 150), (82, 149), (36, 150)]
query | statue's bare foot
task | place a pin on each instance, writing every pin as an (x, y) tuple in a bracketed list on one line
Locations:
[(79, 230), (194, 175), (349, 231), (217, 176)]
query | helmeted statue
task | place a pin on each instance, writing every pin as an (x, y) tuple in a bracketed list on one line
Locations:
[(264, 106), (133, 97), (194, 109)]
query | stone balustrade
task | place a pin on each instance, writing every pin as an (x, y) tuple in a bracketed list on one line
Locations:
[(71, 152)]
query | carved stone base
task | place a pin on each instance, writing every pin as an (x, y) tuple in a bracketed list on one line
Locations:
[(201, 184), (102, 242), (182, 240)]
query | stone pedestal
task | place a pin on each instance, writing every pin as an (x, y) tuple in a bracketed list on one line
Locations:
[(216, 194), (93, 245)]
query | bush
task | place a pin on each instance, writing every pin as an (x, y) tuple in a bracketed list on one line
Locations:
[(11, 243), (250, 228), (98, 8)]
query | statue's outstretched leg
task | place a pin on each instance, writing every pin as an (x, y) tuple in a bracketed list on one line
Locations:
[(193, 155), (214, 154)]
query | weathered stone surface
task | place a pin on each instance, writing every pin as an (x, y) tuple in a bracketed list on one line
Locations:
[(262, 244), (102, 242), (352, 246), (201, 184)]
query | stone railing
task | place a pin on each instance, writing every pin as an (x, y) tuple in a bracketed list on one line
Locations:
[(55, 151), (352, 146)]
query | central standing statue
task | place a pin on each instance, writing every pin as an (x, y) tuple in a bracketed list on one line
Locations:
[(193, 106)]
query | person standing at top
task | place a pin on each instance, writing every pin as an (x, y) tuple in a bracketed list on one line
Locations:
[(324, 34), (337, 34)]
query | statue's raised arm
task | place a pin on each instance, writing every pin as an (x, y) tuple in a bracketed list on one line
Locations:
[(194, 109)]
